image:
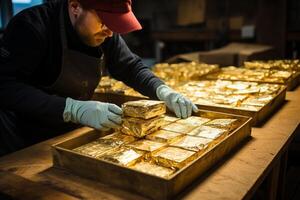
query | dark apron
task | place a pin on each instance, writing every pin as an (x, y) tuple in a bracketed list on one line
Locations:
[(79, 76)]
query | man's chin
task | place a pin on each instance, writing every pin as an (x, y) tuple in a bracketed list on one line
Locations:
[(94, 43)]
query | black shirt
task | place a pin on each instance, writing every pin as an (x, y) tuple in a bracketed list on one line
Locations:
[(30, 58)]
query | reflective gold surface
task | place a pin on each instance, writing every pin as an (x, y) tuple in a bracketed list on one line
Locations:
[(192, 143), (144, 108), (170, 118), (179, 128), (146, 145), (116, 139), (164, 136), (140, 127), (94, 149), (222, 123), (153, 169), (174, 74), (110, 85), (257, 75), (285, 65), (123, 156), (208, 132), (194, 121), (230, 94), (174, 157)]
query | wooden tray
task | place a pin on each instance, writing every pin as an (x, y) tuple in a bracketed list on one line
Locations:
[(258, 117), (147, 185), (291, 83)]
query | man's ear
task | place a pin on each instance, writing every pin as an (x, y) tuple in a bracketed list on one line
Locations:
[(75, 7)]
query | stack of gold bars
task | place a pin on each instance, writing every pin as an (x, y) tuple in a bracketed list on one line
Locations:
[(110, 85), (257, 75), (231, 94), (142, 117), (283, 65), (155, 143), (291, 66), (173, 74)]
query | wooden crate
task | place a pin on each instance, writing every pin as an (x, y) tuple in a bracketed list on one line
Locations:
[(147, 185)]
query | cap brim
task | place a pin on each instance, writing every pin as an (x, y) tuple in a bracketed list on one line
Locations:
[(120, 22)]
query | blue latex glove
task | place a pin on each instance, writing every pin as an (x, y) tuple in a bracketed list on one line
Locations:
[(98, 115), (177, 103)]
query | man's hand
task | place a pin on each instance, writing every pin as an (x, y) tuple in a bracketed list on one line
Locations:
[(98, 115), (177, 103)]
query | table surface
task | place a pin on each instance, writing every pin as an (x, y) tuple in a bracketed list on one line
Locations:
[(29, 172)]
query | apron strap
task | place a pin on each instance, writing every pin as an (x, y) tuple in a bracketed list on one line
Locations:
[(62, 28)]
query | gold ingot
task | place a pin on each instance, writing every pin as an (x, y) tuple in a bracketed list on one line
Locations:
[(192, 143), (164, 136), (144, 109), (140, 127), (174, 157), (194, 121), (179, 128), (123, 156), (153, 169)]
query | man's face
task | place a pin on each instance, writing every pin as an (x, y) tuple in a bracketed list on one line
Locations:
[(90, 28)]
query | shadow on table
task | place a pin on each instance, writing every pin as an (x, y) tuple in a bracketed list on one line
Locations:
[(80, 187)]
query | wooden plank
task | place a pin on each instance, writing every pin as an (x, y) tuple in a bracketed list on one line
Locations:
[(18, 187)]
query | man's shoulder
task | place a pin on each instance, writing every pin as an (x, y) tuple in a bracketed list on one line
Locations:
[(41, 17)]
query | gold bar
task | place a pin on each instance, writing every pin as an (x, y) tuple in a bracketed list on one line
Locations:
[(144, 109), (147, 146), (164, 136), (170, 118), (208, 132), (123, 156), (116, 139), (192, 143), (194, 121), (153, 169), (179, 128), (94, 149), (174, 157), (222, 123), (141, 127)]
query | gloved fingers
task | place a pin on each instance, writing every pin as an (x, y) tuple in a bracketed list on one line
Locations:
[(195, 108), (175, 107), (110, 124), (117, 119), (115, 109), (102, 128), (189, 107), (183, 108)]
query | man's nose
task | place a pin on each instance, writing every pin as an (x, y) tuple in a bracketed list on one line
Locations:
[(107, 31)]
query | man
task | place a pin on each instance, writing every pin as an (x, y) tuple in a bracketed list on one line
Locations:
[(50, 66)]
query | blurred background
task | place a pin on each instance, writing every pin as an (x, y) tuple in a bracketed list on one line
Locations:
[(175, 27)]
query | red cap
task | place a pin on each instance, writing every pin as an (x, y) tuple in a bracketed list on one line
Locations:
[(117, 15)]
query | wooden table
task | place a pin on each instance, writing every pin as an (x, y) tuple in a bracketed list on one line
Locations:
[(28, 174)]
